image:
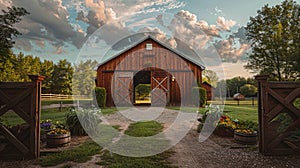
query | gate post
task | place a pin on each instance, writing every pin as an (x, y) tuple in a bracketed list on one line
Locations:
[(36, 106), (262, 81)]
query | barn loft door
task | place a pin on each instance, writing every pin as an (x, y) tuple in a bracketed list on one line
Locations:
[(123, 90), (160, 87)]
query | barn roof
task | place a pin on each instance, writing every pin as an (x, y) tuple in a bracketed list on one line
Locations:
[(182, 50)]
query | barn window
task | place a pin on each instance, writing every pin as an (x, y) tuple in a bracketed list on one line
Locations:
[(149, 46)]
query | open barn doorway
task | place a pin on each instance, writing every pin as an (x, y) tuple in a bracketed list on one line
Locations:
[(142, 88)]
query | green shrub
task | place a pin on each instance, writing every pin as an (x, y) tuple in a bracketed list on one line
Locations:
[(199, 96), (143, 90), (100, 95), (89, 121)]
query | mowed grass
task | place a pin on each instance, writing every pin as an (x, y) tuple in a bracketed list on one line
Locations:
[(80, 154), (138, 129), (11, 118), (244, 111)]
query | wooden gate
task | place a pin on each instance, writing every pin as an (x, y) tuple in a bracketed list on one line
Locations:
[(21, 141), (123, 88), (160, 88), (279, 119)]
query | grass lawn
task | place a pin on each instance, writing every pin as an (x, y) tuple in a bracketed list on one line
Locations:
[(245, 111), (66, 101), (138, 129), (12, 119), (78, 154)]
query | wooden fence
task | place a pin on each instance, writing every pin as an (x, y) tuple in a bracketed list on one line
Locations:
[(22, 141), (51, 96), (279, 119)]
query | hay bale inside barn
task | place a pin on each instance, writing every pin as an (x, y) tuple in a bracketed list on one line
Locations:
[(170, 73)]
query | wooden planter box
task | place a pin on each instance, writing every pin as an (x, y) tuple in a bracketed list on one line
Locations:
[(246, 139), (58, 140), (224, 132)]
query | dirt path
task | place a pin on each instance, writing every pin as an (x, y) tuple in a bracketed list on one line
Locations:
[(216, 152)]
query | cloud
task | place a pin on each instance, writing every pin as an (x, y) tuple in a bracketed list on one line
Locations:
[(186, 27), (228, 51), (225, 24), (48, 21)]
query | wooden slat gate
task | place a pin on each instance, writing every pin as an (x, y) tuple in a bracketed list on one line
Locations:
[(279, 119), (123, 88), (22, 141), (160, 88)]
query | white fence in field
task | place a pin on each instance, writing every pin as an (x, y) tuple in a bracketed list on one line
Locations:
[(51, 96)]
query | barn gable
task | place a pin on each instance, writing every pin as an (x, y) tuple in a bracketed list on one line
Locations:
[(184, 52)]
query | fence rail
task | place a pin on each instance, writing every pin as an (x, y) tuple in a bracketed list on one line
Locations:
[(51, 96)]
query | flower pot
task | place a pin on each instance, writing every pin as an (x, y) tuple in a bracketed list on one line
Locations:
[(246, 139), (223, 132), (58, 140)]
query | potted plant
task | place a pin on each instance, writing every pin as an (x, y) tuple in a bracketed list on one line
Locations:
[(58, 137), (245, 136), (225, 127)]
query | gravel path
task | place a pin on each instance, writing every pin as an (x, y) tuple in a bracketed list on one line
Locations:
[(216, 152)]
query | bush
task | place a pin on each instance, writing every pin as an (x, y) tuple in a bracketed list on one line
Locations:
[(89, 120), (100, 95), (201, 100), (143, 90)]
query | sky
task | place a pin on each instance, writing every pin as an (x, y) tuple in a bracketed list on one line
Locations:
[(59, 29)]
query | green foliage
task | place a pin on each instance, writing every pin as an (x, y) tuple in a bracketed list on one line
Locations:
[(62, 78), (211, 77), (274, 34), (100, 95), (78, 154), (247, 124), (248, 90), (199, 96), (84, 77), (143, 90), (8, 19), (82, 121), (47, 69), (144, 129)]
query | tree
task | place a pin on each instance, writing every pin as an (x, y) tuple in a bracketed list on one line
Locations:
[(275, 36), (248, 90), (7, 20), (62, 78), (211, 77), (47, 69), (84, 77)]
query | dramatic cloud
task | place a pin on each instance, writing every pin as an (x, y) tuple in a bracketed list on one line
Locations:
[(187, 28), (225, 24), (228, 50), (48, 21)]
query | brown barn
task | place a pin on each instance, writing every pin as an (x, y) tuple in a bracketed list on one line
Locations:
[(209, 89), (170, 72)]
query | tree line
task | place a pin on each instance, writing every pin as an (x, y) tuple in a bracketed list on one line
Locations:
[(58, 75)]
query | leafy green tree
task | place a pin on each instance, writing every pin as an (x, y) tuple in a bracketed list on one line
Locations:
[(234, 85), (84, 77), (248, 90), (47, 69), (210, 77), (62, 78), (143, 90), (8, 19), (275, 36), (8, 71)]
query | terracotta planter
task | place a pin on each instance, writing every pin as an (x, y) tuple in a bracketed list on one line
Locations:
[(224, 132), (57, 140), (246, 139)]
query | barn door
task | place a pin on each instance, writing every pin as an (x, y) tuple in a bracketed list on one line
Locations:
[(160, 87), (123, 88)]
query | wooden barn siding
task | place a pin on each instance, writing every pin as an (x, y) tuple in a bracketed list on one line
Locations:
[(163, 58)]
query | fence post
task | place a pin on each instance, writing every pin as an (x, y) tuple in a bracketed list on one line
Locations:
[(262, 80), (35, 131)]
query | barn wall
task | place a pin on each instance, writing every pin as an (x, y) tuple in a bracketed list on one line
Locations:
[(138, 58)]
